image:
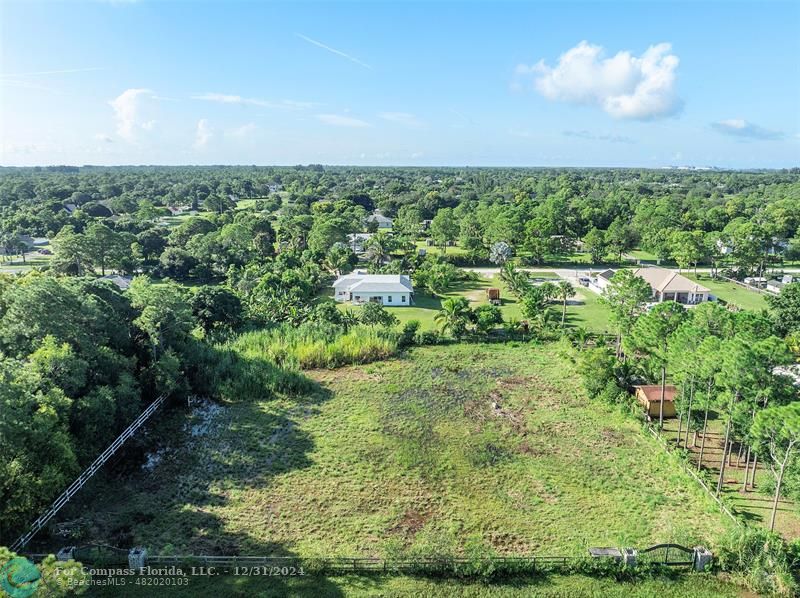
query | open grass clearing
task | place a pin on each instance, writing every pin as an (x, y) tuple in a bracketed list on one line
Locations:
[(492, 442)]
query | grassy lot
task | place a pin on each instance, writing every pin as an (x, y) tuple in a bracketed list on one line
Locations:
[(494, 444), (32, 260), (642, 255), (731, 292), (686, 586), (584, 309), (754, 506)]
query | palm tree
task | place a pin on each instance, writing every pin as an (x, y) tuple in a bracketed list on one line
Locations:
[(515, 280), (454, 316), (349, 319), (581, 336), (378, 247), (565, 291)]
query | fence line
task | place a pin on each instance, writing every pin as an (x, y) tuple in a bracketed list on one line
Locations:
[(694, 475), (432, 565), (75, 486), (747, 286)]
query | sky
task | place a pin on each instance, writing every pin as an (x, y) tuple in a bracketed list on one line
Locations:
[(643, 83)]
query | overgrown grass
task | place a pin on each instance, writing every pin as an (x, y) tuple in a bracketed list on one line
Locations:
[(556, 586), (310, 347), (494, 446)]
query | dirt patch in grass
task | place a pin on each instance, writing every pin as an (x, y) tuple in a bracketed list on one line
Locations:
[(410, 445), (410, 523)]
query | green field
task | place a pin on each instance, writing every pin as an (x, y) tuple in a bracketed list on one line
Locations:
[(731, 292), (489, 444), (584, 309), (31, 261)]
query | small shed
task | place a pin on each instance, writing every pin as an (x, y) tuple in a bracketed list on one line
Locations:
[(649, 396), (493, 295)]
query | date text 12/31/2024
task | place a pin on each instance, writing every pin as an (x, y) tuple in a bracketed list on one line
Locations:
[(248, 571)]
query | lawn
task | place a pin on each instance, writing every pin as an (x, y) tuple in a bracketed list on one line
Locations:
[(731, 292), (32, 260), (584, 309), (495, 444)]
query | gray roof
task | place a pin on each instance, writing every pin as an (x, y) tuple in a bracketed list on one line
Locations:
[(379, 218), (123, 282), (607, 274), (376, 283)]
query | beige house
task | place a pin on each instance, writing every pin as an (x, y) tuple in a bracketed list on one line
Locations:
[(668, 285)]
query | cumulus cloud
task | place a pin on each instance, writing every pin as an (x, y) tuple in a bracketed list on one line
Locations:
[(738, 127), (625, 86), (128, 112), (202, 134), (583, 134), (104, 138), (338, 120), (402, 118)]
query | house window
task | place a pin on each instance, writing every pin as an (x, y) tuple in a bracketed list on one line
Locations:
[(403, 298), (358, 297), (389, 299)]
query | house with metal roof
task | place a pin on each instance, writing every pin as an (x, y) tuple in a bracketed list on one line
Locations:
[(668, 285), (383, 222), (649, 396), (387, 289)]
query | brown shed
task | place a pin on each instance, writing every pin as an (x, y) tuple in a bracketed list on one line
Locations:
[(493, 295), (650, 397)]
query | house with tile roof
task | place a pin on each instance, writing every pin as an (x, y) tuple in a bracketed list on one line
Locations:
[(668, 285)]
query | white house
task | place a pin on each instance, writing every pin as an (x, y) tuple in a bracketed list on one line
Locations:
[(602, 279), (386, 289)]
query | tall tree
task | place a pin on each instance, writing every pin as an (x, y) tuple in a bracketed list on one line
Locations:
[(653, 334), (626, 296), (777, 430), (565, 291), (444, 228)]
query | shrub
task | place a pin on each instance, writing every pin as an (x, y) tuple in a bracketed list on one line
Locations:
[(408, 334), (428, 337), (761, 559)]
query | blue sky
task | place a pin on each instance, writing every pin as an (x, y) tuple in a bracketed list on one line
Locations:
[(477, 83)]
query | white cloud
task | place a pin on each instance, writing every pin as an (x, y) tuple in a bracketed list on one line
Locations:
[(241, 132), (337, 120), (127, 111), (738, 127), (104, 138), (402, 118), (625, 86), (202, 134), (224, 98)]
